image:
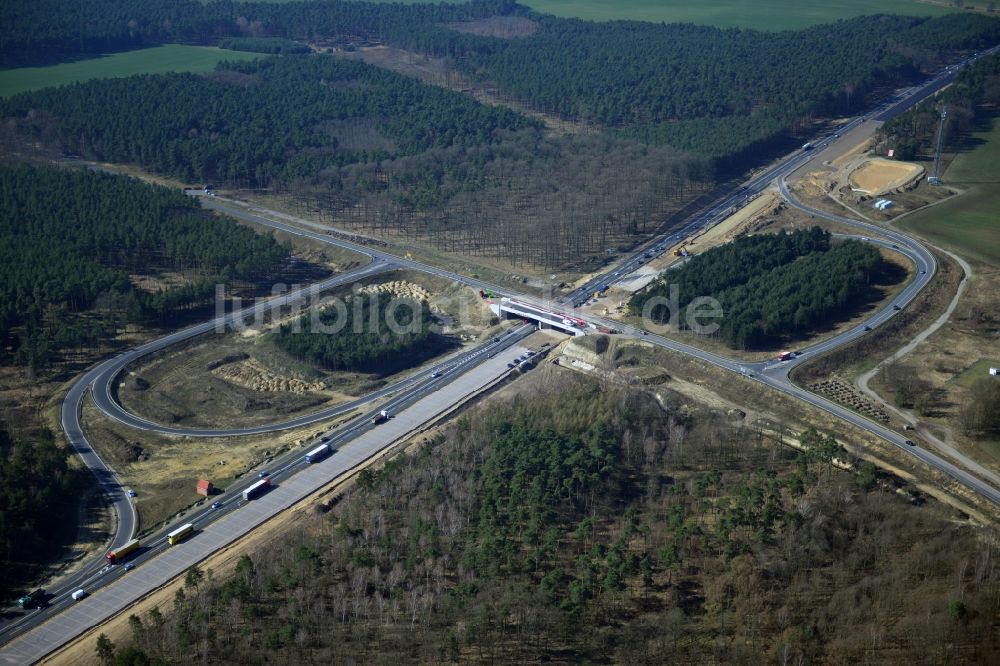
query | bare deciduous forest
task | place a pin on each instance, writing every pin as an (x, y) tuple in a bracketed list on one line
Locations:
[(536, 201), (671, 535)]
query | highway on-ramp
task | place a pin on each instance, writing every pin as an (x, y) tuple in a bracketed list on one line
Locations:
[(431, 397), (115, 589)]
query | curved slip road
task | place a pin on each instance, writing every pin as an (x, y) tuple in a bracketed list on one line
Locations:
[(770, 373), (109, 592)]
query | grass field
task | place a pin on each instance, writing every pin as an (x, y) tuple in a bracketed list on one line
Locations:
[(172, 57), (978, 370), (759, 14), (968, 223)]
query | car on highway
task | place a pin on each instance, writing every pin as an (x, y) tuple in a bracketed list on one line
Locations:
[(896, 307), (131, 493), (510, 365), (910, 442), (217, 505), (867, 327), (263, 474), (435, 374), (529, 353), (129, 566)]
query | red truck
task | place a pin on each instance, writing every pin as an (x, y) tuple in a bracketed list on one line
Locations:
[(785, 355)]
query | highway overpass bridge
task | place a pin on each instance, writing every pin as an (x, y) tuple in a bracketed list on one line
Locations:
[(509, 308)]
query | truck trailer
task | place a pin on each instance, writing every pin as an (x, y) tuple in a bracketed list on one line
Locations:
[(318, 453), (181, 533), (117, 555), (257, 489)]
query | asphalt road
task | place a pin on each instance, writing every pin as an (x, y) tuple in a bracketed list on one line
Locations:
[(774, 374), (109, 591)]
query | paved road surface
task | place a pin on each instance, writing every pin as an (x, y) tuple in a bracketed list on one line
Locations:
[(67, 624), (160, 563)]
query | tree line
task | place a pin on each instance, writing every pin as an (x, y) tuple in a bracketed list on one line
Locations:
[(797, 298), (724, 93), (973, 95), (380, 152), (272, 45), (71, 238), (47, 30), (259, 121), (769, 286), (36, 483), (375, 333), (620, 532)]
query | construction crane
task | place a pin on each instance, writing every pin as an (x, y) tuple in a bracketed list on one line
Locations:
[(935, 178)]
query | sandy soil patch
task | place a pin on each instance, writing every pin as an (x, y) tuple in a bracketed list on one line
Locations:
[(745, 220), (851, 154), (879, 175)]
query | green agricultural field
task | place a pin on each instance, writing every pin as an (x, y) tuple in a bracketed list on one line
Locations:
[(969, 222), (172, 57), (759, 14), (978, 370)]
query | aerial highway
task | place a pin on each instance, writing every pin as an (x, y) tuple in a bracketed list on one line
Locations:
[(111, 589), (726, 205), (418, 397)]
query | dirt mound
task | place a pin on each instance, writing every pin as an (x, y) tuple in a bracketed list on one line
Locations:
[(399, 288), (252, 375), (878, 175)]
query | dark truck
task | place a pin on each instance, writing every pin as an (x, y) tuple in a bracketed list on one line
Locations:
[(35, 599)]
